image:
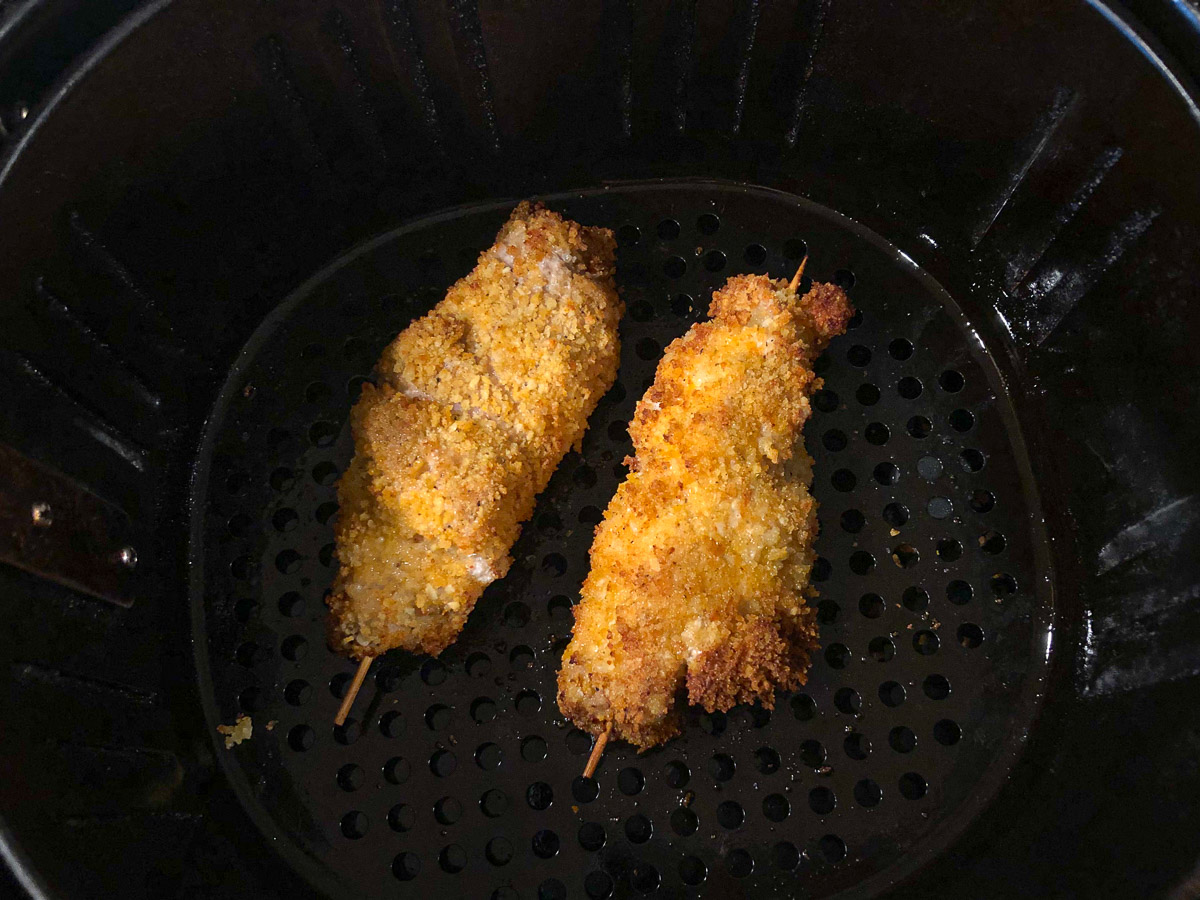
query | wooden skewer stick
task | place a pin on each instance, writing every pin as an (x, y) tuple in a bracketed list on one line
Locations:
[(597, 752), (359, 677), (795, 282)]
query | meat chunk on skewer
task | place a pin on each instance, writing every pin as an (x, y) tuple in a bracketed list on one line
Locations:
[(474, 406), (700, 568)]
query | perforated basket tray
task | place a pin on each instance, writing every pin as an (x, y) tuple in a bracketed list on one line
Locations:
[(459, 775)]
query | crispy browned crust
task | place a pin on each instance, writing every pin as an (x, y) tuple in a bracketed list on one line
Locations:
[(750, 662), (476, 404), (701, 563)]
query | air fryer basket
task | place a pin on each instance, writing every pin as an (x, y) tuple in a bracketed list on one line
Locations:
[(215, 216)]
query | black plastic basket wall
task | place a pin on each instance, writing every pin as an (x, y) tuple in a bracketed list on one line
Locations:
[(215, 215)]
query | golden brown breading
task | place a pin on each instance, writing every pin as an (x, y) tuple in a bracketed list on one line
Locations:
[(476, 404), (701, 564)]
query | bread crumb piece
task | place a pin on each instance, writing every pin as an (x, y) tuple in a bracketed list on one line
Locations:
[(237, 732)]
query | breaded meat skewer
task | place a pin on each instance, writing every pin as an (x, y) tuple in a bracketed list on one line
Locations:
[(700, 568), (474, 406)]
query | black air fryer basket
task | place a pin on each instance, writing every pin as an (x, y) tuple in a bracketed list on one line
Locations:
[(215, 214)]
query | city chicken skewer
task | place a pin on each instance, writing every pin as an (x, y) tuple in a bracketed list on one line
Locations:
[(474, 406), (700, 568)]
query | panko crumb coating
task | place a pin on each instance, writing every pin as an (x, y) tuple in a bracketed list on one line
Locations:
[(699, 578), (474, 406)]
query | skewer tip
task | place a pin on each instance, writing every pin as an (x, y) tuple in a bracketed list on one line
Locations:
[(355, 686), (795, 282), (597, 752)]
